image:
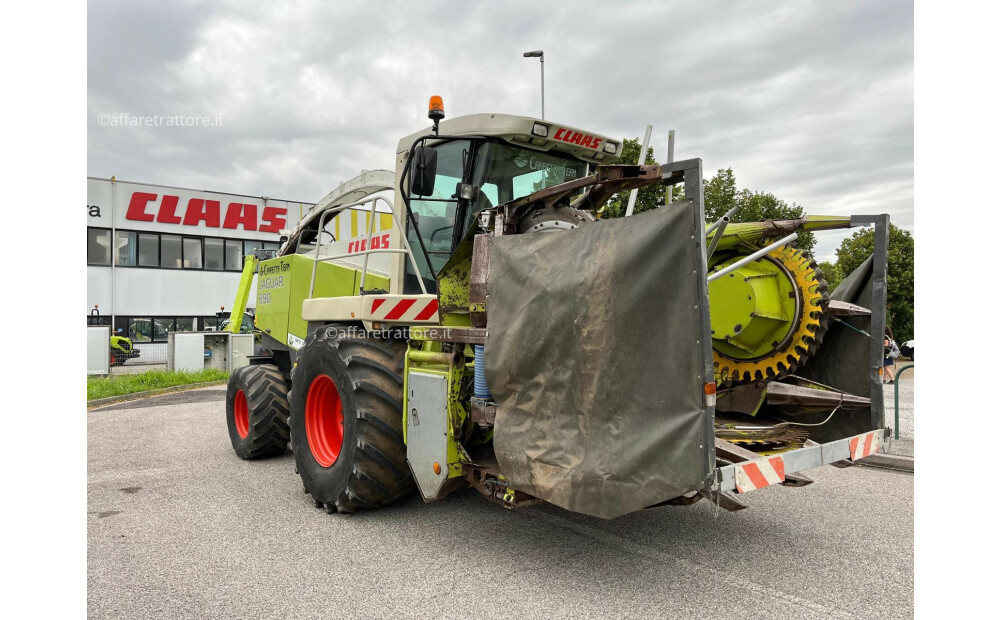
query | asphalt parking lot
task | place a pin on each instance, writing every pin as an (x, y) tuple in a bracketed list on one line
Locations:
[(179, 527)]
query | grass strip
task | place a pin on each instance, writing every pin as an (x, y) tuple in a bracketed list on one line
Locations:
[(116, 385)]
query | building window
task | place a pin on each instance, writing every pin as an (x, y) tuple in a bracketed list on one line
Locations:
[(215, 250), (170, 251), (192, 253), (209, 324), (160, 328), (98, 246), (140, 329), (155, 329), (149, 250), (133, 248), (234, 255), (249, 247), (125, 250), (98, 319), (121, 326)]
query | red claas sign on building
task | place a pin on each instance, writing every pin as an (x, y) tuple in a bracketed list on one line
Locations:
[(149, 207)]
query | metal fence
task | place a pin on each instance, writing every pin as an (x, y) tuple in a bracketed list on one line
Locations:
[(107, 354), (144, 356), (110, 355)]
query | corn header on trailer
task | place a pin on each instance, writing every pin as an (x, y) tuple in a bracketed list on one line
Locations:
[(618, 365)]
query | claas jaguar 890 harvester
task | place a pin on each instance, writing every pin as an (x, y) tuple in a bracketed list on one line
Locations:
[(471, 321)]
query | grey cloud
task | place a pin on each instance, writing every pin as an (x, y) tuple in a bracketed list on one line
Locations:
[(811, 101)]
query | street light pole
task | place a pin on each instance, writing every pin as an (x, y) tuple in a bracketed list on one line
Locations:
[(540, 55), (541, 63)]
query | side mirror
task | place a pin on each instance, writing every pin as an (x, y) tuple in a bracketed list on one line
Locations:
[(423, 170)]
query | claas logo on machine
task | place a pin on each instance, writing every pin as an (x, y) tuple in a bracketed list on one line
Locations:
[(378, 242), (198, 210), (576, 137)]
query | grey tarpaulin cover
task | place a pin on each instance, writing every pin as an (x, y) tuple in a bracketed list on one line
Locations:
[(593, 358), (842, 360)]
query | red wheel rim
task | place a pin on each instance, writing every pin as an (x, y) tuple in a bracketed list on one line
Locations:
[(324, 420), (241, 414)]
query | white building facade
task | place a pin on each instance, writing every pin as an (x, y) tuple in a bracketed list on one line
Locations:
[(163, 258)]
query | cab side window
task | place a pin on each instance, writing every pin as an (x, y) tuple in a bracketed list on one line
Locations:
[(435, 214)]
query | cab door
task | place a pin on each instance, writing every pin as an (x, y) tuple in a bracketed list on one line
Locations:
[(435, 215)]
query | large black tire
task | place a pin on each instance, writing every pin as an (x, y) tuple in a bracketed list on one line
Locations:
[(257, 411), (357, 459)]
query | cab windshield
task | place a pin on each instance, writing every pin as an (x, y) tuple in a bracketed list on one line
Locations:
[(507, 172), (502, 171)]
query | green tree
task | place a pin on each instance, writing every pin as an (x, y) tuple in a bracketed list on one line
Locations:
[(721, 195), (649, 197), (831, 273), (899, 282), (759, 206)]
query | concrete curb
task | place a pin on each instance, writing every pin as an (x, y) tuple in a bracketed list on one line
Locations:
[(889, 461), (122, 398)]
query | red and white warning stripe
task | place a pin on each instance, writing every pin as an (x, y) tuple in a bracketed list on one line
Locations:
[(758, 474), (408, 309), (864, 445)]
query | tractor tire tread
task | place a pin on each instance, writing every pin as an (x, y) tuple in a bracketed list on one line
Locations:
[(379, 474), (267, 396)]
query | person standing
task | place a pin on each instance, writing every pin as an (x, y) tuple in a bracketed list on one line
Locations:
[(888, 362)]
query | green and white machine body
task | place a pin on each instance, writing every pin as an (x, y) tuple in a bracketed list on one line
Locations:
[(372, 257), (347, 263)]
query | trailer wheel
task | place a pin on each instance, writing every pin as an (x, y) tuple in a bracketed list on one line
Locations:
[(257, 411), (347, 421)]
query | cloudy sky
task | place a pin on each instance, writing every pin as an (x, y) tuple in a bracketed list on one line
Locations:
[(812, 101)]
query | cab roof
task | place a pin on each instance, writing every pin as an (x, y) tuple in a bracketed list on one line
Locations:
[(528, 132)]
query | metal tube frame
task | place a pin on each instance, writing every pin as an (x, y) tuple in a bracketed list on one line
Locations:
[(877, 306), (720, 228), (323, 218), (670, 159), (802, 459), (691, 171), (634, 194), (725, 216), (747, 259)]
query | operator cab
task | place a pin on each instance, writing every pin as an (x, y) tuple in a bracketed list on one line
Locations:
[(484, 161)]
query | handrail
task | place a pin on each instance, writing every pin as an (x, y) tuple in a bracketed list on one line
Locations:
[(896, 390), (334, 210)]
